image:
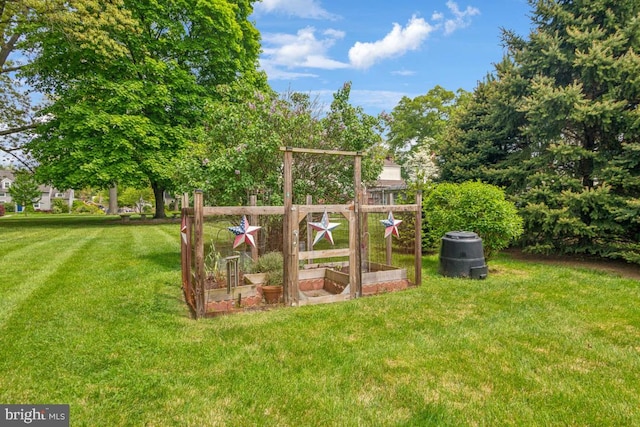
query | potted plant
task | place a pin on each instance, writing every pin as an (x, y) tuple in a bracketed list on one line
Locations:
[(272, 265), (215, 276)]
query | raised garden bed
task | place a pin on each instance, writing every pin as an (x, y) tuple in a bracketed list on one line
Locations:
[(316, 284)]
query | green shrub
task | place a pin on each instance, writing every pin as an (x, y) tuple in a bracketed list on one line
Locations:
[(81, 207), (471, 206), (60, 206), (10, 207)]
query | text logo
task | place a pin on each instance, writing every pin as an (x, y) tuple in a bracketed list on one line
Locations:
[(34, 415)]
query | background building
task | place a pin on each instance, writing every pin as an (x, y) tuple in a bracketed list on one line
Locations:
[(48, 194)]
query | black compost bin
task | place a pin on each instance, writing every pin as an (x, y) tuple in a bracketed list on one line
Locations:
[(461, 255)]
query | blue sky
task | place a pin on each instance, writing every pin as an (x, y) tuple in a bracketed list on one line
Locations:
[(386, 48)]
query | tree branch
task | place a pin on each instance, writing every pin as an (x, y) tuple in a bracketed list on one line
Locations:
[(11, 69), (7, 48), (17, 158), (18, 129)]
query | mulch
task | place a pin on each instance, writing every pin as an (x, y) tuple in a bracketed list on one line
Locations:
[(622, 268)]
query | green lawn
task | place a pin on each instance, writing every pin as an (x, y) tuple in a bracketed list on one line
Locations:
[(91, 314)]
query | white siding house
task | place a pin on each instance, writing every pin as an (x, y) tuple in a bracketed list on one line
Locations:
[(48, 193), (388, 185)]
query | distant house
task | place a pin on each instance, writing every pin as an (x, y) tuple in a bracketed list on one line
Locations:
[(388, 185), (48, 194)]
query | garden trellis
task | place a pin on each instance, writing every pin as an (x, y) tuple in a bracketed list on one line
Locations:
[(368, 278)]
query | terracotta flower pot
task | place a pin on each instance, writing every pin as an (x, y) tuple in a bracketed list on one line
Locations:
[(272, 294)]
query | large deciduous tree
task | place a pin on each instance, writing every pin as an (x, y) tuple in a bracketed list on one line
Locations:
[(129, 81), (17, 111), (415, 119), (560, 127)]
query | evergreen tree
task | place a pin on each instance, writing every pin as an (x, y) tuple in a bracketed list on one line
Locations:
[(24, 190), (562, 127)]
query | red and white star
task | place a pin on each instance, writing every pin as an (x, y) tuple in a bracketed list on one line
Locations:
[(244, 233), (391, 225)]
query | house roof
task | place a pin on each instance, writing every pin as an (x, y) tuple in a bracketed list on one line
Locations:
[(390, 163), (6, 174), (389, 182)]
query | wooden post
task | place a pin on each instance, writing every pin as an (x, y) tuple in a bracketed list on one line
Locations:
[(389, 249), (286, 224), (357, 265), (294, 256), (418, 244), (199, 249), (186, 244), (309, 245), (365, 229), (185, 251), (254, 220), (354, 267)]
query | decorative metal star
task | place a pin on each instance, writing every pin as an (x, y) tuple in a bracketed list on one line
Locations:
[(244, 233), (323, 229), (391, 225)]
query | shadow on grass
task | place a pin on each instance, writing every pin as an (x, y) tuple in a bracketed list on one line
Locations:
[(168, 261), (35, 220), (431, 415), (430, 265), (76, 221)]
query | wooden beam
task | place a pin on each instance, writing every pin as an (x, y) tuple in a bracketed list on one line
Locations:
[(317, 151), (307, 209), (243, 210), (325, 253), (387, 208)]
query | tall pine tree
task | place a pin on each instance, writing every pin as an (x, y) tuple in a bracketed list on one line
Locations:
[(561, 129)]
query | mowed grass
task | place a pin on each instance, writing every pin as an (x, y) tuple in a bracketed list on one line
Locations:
[(92, 314)]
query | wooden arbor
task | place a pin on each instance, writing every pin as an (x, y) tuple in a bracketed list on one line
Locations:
[(355, 213)]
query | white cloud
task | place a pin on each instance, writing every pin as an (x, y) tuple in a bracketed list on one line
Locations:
[(276, 73), (372, 101), (299, 8), (335, 34), (302, 49), (461, 19), (399, 41), (403, 73), (376, 99)]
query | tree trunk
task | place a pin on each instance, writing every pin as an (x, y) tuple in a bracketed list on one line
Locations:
[(113, 200), (158, 194)]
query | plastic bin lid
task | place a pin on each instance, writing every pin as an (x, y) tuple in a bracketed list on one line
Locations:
[(461, 235)]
